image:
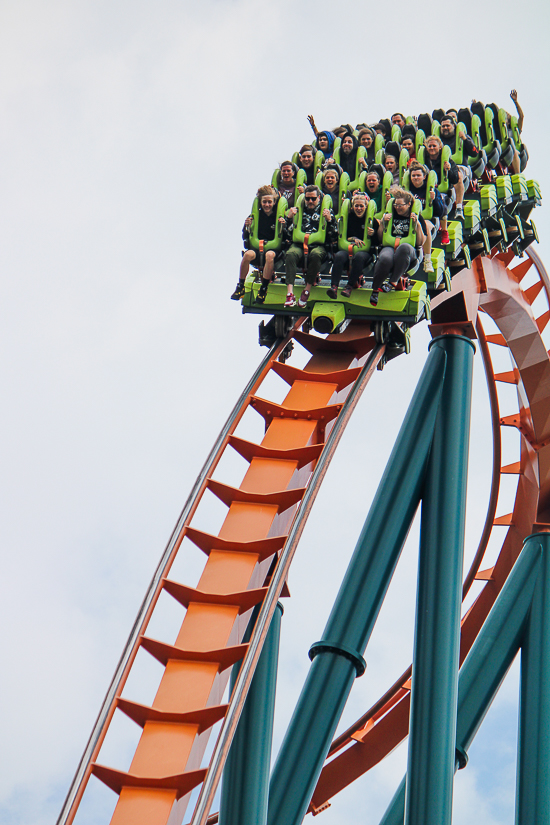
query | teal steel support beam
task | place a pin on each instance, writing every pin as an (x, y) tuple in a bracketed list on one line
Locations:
[(245, 780), (337, 659), (533, 774), (487, 662), (432, 727)]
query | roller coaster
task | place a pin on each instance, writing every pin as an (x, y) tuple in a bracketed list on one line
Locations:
[(222, 665)]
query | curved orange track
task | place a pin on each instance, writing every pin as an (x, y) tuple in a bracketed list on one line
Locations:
[(490, 287)]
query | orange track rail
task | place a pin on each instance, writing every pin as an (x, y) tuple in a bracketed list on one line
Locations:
[(166, 765), (494, 289)]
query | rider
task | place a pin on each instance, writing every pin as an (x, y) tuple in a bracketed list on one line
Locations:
[(316, 253), (401, 235), (267, 228), (357, 217)]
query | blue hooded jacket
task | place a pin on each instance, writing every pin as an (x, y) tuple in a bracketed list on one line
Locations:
[(331, 137)]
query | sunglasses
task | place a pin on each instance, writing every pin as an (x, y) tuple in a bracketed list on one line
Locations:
[(311, 199)]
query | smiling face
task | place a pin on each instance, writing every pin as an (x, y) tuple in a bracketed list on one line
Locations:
[(407, 143), (417, 178), (331, 181), (401, 207), (447, 128), (359, 206), (347, 145), (432, 148), (307, 159), (366, 140), (267, 202)]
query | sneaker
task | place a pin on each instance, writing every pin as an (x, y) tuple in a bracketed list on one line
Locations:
[(346, 292), (332, 292), (445, 240), (290, 300), (239, 292), (374, 297), (428, 266), (459, 212), (303, 299), (261, 296)]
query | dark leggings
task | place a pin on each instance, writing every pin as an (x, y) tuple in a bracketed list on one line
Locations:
[(360, 260), (393, 262)]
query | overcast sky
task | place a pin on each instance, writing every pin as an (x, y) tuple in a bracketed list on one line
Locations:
[(134, 136)]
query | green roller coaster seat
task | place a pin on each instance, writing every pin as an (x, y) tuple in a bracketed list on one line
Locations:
[(387, 238), (472, 216), (505, 191), (431, 183), (318, 161), (300, 176), (490, 143), (488, 200), (533, 188), (456, 239), (506, 142), (404, 158), (277, 242), (343, 227), (319, 237), (342, 188), (387, 183), (361, 153), (419, 139), (378, 143), (520, 188), (443, 186)]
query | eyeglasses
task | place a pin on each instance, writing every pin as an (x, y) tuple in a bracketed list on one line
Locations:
[(314, 198)]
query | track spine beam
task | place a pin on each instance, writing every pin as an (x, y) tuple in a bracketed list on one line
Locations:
[(432, 729), (353, 616)]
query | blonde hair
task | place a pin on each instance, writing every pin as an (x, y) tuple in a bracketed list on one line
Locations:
[(266, 190), (437, 140)]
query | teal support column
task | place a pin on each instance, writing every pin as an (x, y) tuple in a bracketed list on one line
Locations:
[(533, 774), (432, 729), (245, 780), (487, 662), (337, 659)]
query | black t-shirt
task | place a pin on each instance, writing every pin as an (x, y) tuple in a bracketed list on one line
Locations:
[(309, 174), (267, 225), (335, 197), (436, 166), (400, 226), (356, 225)]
